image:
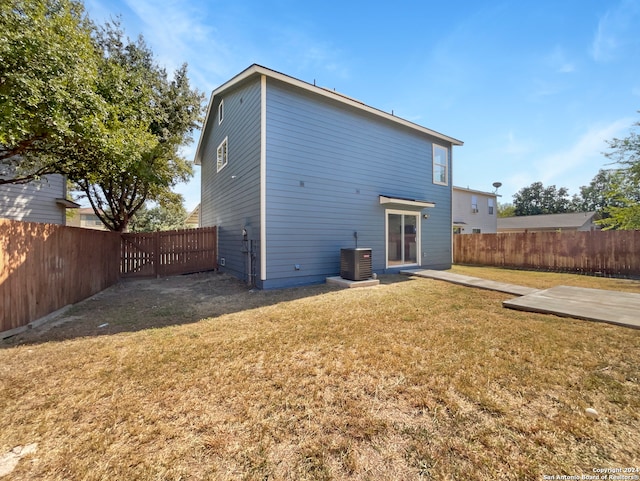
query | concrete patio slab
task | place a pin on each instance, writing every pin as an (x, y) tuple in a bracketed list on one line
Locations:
[(614, 307), (470, 281), (340, 282), (621, 308)]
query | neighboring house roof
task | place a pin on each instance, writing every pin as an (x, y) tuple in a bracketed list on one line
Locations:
[(547, 221), (256, 70), (472, 191), (194, 217)]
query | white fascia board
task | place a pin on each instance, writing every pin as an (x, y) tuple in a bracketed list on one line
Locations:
[(197, 159), (259, 70), (354, 103)]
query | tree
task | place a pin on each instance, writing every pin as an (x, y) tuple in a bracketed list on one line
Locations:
[(599, 195), (148, 118), (159, 218), (536, 199), (48, 103), (624, 209), (506, 210)]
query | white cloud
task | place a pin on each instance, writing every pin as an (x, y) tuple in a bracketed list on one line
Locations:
[(177, 32), (558, 62), (516, 147), (617, 29), (582, 159)]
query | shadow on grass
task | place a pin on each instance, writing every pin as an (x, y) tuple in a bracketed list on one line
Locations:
[(136, 305)]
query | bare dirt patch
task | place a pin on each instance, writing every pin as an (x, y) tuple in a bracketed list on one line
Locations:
[(139, 304)]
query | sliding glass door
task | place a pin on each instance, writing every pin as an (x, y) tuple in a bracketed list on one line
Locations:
[(403, 238)]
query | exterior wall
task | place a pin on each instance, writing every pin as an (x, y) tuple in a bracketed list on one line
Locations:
[(231, 197), (327, 164), (466, 219), (35, 201), (85, 218)]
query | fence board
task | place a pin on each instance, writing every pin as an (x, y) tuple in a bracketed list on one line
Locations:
[(44, 267), (168, 253), (610, 253)]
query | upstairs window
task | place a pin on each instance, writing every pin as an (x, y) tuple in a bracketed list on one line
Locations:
[(490, 206), (221, 112), (222, 155), (474, 204), (440, 165)]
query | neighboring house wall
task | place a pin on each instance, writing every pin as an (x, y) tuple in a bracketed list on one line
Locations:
[(314, 168), (474, 211), (86, 218), (193, 220), (36, 201)]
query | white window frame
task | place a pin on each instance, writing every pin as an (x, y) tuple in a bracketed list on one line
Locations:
[(490, 207), (474, 204), (440, 165), (418, 237), (221, 112), (222, 154)]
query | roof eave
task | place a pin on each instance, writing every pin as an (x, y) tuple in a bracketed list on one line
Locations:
[(256, 69)]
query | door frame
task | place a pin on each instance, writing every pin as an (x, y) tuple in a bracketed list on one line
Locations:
[(413, 213)]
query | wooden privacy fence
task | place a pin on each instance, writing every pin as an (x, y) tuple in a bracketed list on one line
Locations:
[(44, 267), (610, 253), (168, 253)]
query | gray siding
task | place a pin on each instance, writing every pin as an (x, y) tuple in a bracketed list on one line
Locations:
[(327, 164), (231, 197), (35, 201)]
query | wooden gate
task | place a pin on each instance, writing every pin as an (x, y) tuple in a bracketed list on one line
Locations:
[(169, 253)]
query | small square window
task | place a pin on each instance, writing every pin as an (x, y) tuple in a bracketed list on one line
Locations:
[(440, 165), (222, 155), (221, 112)]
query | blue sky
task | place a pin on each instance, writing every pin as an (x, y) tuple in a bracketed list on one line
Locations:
[(533, 88)]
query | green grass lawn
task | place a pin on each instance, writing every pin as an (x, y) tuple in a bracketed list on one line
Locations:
[(412, 379)]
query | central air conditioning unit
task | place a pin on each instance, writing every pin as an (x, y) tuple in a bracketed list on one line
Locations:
[(355, 264)]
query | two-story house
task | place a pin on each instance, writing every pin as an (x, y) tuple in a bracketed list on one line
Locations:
[(474, 211), (292, 172)]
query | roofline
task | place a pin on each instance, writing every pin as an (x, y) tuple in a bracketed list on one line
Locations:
[(256, 69), (466, 189)]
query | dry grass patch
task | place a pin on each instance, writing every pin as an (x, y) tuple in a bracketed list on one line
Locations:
[(546, 280), (413, 379)]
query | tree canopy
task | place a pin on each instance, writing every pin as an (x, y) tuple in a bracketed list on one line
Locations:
[(149, 118), (623, 211), (537, 199), (159, 217), (89, 103), (48, 101)]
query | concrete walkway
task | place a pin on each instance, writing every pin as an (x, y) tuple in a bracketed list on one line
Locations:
[(471, 281), (614, 307)]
